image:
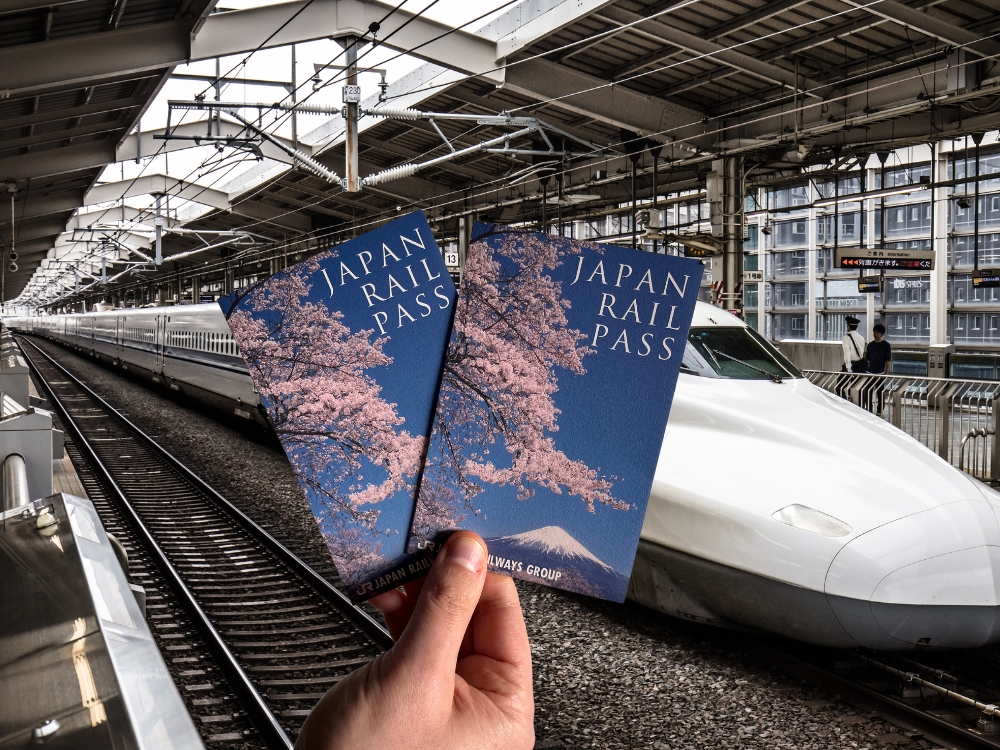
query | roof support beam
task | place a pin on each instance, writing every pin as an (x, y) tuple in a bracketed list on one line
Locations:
[(742, 21), (55, 161), (616, 105), (55, 136), (153, 184), (711, 51), (88, 58), (241, 31), (933, 26), (20, 6), (531, 21), (30, 207), (69, 113), (127, 150), (45, 227)]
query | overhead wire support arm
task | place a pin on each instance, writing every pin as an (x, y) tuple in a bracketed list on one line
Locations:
[(307, 161), (407, 170)]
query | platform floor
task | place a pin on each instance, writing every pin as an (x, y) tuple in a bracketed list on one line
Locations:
[(64, 476)]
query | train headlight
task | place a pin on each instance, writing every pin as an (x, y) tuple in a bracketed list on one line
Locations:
[(809, 519)]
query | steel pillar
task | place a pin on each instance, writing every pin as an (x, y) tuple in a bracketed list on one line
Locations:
[(939, 244), (812, 281), (732, 248), (352, 180)]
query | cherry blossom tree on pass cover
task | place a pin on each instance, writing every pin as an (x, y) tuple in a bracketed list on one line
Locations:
[(311, 372), (510, 336)]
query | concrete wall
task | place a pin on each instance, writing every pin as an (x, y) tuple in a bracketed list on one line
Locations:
[(813, 355)]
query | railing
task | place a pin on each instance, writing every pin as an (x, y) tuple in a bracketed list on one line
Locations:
[(957, 419)]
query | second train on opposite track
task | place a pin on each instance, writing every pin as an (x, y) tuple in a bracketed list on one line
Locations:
[(775, 506)]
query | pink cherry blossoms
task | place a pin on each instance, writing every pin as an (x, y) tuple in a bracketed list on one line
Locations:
[(510, 335), (310, 371)]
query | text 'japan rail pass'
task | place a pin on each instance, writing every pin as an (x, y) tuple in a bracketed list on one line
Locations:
[(345, 350), (553, 402)]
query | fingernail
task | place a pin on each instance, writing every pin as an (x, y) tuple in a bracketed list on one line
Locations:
[(467, 552)]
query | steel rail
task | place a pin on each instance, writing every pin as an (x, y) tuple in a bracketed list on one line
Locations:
[(364, 622), (263, 718), (794, 663)]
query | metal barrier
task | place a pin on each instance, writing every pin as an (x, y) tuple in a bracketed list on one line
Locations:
[(957, 419)]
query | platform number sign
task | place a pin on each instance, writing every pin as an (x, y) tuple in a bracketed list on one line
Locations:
[(451, 258)]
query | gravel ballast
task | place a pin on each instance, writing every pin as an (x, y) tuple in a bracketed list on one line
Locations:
[(606, 675)]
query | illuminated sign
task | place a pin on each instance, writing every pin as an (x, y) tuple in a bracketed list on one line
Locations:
[(863, 257), (985, 278), (870, 285)]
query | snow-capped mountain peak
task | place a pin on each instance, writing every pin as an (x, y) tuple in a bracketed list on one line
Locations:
[(553, 540)]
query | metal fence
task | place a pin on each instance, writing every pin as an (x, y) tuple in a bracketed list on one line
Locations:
[(957, 419)]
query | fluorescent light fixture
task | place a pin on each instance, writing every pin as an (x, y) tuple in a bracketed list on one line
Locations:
[(870, 195), (809, 519)]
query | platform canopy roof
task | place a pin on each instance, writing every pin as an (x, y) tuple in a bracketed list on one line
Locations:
[(785, 83)]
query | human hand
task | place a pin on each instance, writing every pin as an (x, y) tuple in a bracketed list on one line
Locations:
[(459, 675)]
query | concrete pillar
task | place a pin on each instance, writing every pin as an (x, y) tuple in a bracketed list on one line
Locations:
[(939, 244)]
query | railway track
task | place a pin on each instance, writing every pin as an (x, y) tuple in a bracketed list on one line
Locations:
[(251, 633), (946, 698)]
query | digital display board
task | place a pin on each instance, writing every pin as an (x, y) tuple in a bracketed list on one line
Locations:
[(879, 258), (870, 286), (985, 278)]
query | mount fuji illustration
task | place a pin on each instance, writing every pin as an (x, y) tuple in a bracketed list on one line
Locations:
[(552, 556)]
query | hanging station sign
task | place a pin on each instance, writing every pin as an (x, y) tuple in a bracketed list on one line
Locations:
[(985, 278), (904, 260)]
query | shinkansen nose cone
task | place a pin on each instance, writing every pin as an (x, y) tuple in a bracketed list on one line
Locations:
[(779, 506), (930, 579)]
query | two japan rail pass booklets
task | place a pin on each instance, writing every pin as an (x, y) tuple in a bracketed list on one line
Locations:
[(548, 407)]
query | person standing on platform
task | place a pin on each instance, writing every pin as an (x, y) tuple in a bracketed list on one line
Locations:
[(879, 352), (853, 346), (879, 355)]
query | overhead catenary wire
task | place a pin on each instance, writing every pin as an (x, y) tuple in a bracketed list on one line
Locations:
[(759, 118)]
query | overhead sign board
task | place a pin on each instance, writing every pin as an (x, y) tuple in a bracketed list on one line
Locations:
[(985, 278), (904, 260), (753, 277), (870, 285), (699, 252)]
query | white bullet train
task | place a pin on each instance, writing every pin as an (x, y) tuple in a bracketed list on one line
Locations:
[(776, 505)]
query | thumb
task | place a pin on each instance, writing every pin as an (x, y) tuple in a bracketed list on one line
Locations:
[(434, 635)]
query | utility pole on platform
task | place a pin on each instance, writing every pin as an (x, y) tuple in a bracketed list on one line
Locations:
[(352, 98)]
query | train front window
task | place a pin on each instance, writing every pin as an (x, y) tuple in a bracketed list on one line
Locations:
[(734, 352)]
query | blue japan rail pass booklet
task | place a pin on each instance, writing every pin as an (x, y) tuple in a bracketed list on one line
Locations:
[(554, 398), (345, 350)]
